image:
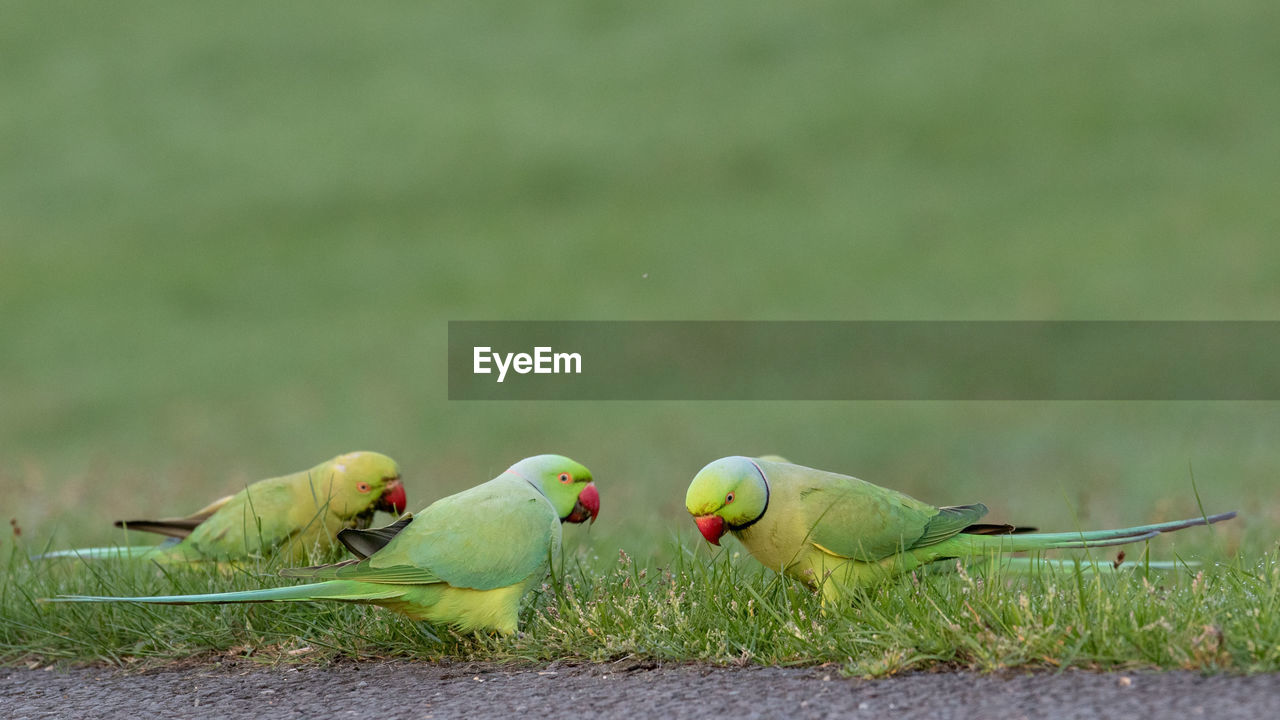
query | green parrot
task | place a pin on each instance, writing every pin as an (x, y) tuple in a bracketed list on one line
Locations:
[(466, 560), (836, 532), (290, 515)]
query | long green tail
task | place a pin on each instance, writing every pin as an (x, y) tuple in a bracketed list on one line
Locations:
[(340, 590), (979, 544), (125, 552), (1042, 564)]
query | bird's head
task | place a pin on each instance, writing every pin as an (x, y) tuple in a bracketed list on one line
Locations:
[(362, 482), (728, 494), (567, 484)]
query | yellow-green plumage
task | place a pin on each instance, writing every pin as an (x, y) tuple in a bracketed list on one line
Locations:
[(834, 531), (466, 560), (291, 516)]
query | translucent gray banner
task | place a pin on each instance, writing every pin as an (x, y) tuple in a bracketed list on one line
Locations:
[(515, 360)]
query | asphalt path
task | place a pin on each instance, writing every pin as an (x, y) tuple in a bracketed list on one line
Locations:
[(628, 689)]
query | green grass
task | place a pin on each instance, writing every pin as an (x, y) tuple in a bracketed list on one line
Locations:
[(718, 608), (231, 238)]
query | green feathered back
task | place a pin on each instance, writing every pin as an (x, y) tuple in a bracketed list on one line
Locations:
[(259, 517), (853, 518), (445, 541)]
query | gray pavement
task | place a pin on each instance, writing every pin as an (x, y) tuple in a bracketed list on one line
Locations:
[(626, 689)]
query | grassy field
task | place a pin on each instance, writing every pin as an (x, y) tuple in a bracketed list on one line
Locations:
[(231, 237), (720, 609)]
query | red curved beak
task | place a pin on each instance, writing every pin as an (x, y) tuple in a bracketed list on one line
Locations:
[(588, 505), (393, 499), (712, 527)]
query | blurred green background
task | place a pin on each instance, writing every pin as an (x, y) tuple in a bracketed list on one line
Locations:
[(231, 236)]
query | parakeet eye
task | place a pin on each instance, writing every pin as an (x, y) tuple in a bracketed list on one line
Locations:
[(362, 487), (728, 498), (566, 478)]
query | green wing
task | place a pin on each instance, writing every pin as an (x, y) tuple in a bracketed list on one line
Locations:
[(255, 518), (360, 570), (493, 535), (855, 519), (950, 521)]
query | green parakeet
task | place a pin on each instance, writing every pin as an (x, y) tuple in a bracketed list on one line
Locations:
[(466, 560), (293, 515), (835, 532)]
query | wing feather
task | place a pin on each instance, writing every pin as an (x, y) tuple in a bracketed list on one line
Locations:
[(493, 535)]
